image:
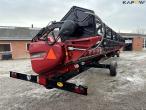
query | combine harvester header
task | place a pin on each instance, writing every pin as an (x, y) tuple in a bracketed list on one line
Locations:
[(81, 42)]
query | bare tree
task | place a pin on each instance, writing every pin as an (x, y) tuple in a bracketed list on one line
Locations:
[(140, 31)]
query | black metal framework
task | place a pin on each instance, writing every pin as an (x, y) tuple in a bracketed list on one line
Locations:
[(87, 24), (60, 81), (42, 34)]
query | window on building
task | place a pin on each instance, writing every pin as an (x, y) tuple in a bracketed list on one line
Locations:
[(27, 46), (5, 47)]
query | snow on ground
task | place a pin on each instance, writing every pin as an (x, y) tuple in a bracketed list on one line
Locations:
[(126, 91)]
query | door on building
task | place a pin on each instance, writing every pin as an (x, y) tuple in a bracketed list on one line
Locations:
[(128, 44), (144, 44)]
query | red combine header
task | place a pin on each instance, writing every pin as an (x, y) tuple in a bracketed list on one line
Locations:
[(64, 49)]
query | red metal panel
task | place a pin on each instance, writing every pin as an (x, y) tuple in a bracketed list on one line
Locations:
[(41, 64)]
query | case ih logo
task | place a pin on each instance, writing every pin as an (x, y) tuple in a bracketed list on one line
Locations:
[(134, 2)]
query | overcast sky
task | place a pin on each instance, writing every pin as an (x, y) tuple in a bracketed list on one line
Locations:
[(120, 17)]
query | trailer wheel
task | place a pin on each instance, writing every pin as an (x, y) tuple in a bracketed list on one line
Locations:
[(113, 68), (113, 55), (118, 53)]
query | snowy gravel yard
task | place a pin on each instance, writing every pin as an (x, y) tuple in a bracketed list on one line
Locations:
[(126, 91)]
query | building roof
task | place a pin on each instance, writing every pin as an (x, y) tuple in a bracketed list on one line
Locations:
[(131, 35), (26, 33), (17, 33)]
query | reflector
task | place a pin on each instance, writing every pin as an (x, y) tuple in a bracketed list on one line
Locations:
[(60, 84), (51, 54)]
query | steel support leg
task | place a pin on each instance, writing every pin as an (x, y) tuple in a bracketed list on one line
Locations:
[(100, 65)]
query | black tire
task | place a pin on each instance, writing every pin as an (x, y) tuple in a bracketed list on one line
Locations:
[(118, 53), (113, 68), (113, 55)]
